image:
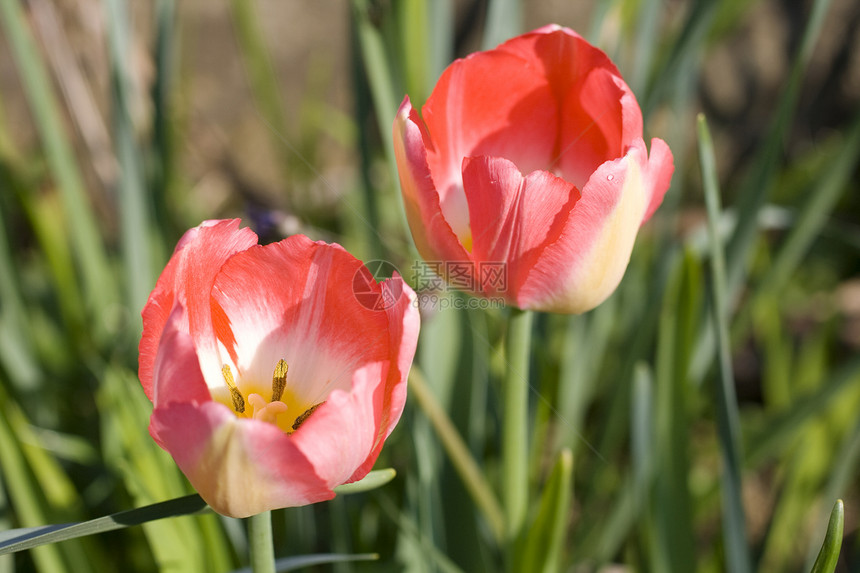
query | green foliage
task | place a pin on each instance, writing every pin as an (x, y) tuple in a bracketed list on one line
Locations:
[(710, 403)]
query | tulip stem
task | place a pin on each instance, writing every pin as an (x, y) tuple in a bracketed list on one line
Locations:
[(260, 542), (515, 421)]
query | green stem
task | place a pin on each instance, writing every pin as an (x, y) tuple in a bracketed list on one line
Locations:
[(260, 539), (515, 423)]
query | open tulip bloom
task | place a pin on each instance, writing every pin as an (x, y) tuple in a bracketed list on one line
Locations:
[(531, 156), (271, 382)]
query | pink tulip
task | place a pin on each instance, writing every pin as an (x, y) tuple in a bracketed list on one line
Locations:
[(271, 382), (530, 157)]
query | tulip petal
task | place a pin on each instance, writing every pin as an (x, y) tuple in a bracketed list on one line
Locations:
[(582, 268), (513, 218), (563, 253), (240, 467), (293, 300), (403, 320), (177, 376), (341, 433), (597, 121), (658, 174), (599, 114), (432, 233), (490, 103), (187, 279)]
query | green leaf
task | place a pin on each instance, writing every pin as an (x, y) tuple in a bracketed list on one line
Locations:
[(728, 418), (300, 561), (670, 508), (542, 545), (27, 538), (829, 555), (373, 480)]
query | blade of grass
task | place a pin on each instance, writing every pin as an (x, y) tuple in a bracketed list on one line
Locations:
[(647, 36), (149, 473), (813, 214), (16, 350), (459, 454), (541, 552), (373, 480), (364, 109), (754, 190), (504, 21), (671, 507), (75, 90), (303, 561), (781, 428), (412, 20), (21, 539), (728, 423), (842, 473), (134, 208), (674, 67), (410, 531), (829, 555), (384, 91), (87, 247), (162, 148), (385, 94), (263, 81), (642, 442), (24, 495), (585, 343), (441, 17)]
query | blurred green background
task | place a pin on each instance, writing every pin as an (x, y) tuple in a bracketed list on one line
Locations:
[(122, 124)]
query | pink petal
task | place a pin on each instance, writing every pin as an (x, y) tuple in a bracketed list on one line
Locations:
[(432, 233), (187, 280), (600, 116), (513, 218), (584, 266), (293, 300), (240, 467), (340, 435), (177, 376), (658, 174), (490, 103), (403, 321)]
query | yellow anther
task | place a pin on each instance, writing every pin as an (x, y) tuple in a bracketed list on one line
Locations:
[(238, 400), (279, 380), (301, 419)]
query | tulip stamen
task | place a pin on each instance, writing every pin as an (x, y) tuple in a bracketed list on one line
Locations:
[(235, 394), (307, 414), (279, 380)]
